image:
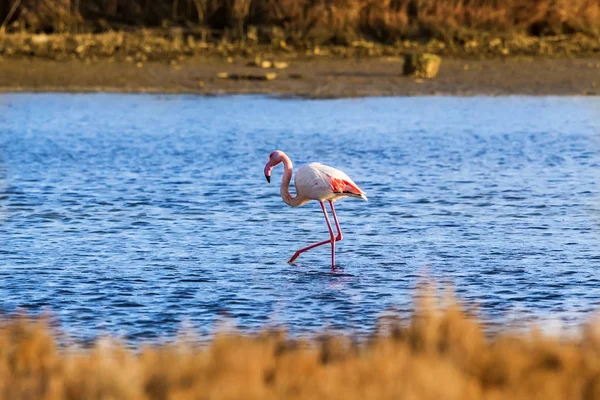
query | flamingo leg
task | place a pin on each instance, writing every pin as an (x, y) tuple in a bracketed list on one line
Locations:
[(337, 224), (332, 239)]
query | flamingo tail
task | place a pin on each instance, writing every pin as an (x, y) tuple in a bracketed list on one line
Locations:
[(356, 195)]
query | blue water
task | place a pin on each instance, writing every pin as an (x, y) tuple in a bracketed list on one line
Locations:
[(131, 215)]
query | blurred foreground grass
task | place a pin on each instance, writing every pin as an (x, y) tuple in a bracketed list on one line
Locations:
[(440, 354)]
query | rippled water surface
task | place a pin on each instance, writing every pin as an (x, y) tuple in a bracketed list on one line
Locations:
[(131, 215)]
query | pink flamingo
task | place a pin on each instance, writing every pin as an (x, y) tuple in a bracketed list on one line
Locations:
[(314, 182)]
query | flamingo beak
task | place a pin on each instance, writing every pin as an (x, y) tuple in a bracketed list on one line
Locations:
[(268, 169)]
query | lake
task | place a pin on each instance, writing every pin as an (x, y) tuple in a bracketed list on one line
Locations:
[(133, 215)]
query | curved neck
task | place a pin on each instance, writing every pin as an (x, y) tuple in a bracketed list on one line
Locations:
[(285, 183)]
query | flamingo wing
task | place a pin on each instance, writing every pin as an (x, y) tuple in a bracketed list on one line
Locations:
[(322, 182), (340, 182)]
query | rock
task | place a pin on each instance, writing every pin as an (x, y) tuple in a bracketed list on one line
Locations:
[(495, 43), (471, 45), (282, 45), (258, 62), (422, 65), (436, 44), (40, 39), (280, 64), (39, 44), (362, 44)]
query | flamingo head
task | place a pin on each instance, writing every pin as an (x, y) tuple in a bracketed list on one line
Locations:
[(275, 158)]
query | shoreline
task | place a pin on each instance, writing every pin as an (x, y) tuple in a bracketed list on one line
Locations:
[(311, 78), (276, 96)]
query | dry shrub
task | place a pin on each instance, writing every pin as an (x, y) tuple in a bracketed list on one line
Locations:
[(49, 15), (324, 20), (441, 353)]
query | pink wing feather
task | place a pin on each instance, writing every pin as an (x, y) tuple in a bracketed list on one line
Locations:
[(339, 182), (343, 186)]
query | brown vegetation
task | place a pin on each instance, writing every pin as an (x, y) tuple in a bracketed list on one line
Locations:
[(438, 355), (174, 46), (321, 21)]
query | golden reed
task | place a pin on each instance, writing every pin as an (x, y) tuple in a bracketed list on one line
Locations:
[(441, 353), (321, 20)]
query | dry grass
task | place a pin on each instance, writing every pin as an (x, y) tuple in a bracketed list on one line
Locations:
[(319, 20), (438, 355)]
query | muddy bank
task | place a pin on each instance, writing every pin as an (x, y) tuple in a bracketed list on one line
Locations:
[(189, 61), (319, 77)]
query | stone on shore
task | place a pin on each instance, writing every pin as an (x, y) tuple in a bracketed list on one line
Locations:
[(267, 64), (280, 64), (421, 65)]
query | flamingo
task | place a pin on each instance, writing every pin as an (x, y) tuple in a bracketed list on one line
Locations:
[(318, 182)]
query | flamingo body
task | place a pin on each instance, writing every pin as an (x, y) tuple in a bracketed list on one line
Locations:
[(318, 182)]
